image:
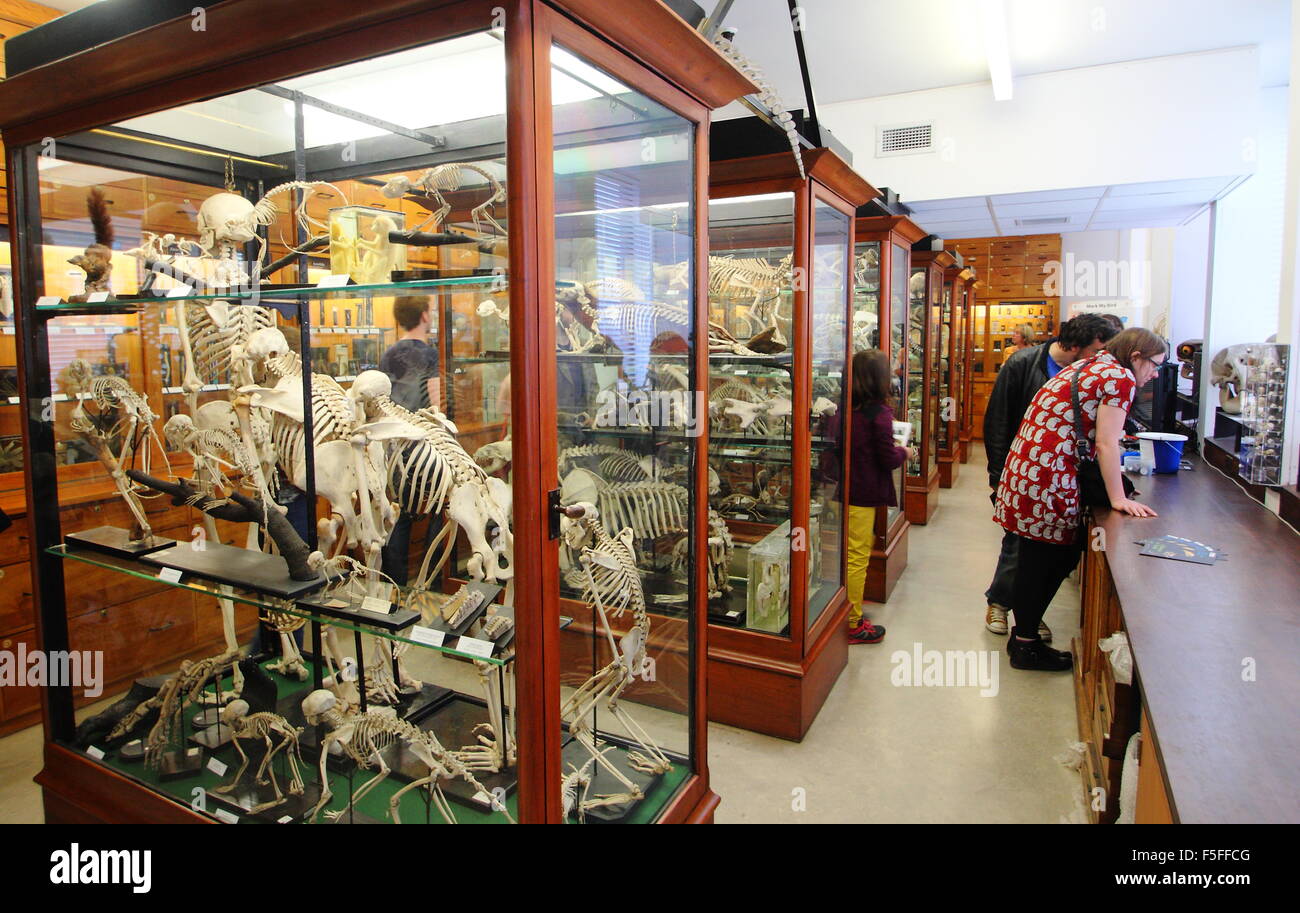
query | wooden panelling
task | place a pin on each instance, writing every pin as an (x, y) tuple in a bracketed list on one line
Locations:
[(13, 542), (1153, 805), (16, 607)]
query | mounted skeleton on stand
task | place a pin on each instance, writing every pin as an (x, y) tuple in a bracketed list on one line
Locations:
[(429, 473), (349, 463), (611, 587)]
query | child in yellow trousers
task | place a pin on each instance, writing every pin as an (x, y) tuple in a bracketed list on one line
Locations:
[(873, 458), (862, 537)]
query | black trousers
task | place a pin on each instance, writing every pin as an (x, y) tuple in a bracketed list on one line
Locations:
[(1041, 568), (1004, 577)]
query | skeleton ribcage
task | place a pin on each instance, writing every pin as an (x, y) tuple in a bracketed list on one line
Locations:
[(618, 588), (211, 341), (419, 477)]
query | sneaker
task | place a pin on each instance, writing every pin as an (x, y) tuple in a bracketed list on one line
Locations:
[(867, 633), (1037, 656), (1044, 632), (995, 619)]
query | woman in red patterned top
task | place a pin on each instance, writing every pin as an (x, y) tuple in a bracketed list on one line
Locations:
[(1038, 494)]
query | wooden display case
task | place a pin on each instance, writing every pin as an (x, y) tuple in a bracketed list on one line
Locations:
[(924, 379), (776, 648), (967, 432), (890, 239), (952, 371), (579, 86)]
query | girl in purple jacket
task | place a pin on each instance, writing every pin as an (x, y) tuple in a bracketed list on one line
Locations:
[(872, 461)]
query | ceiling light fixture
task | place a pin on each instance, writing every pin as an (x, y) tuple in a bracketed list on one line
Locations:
[(995, 47)]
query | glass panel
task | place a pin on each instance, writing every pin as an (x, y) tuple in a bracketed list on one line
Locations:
[(199, 393), (628, 426), (866, 296), (751, 248), (900, 264), (916, 322), (942, 357), (937, 288), (831, 259)]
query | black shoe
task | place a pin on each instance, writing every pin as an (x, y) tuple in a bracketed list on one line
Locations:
[(1037, 656)]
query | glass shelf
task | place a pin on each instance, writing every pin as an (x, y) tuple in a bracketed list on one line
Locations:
[(258, 600), (293, 293)]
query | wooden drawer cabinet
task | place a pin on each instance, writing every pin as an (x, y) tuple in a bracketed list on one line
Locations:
[(1010, 246), (14, 542), (1005, 261), (1014, 276), (1047, 245), (141, 637), (207, 621), (1037, 261), (17, 606), (20, 699)]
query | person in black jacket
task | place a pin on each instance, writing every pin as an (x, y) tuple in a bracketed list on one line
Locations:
[(1019, 380)]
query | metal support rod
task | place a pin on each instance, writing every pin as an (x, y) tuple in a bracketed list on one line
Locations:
[(811, 127), (300, 98)]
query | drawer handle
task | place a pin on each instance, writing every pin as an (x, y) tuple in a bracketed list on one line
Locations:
[(156, 629)]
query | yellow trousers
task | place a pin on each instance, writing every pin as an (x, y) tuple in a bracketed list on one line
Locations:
[(862, 536)]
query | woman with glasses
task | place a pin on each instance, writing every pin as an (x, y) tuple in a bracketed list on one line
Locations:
[(1038, 493)]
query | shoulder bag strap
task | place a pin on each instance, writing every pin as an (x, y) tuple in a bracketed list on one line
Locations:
[(1081, 442)]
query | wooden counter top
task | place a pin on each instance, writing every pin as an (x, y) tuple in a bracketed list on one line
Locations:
[(1230, 749)]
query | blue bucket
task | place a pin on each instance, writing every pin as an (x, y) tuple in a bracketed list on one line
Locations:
[(1167, 449)]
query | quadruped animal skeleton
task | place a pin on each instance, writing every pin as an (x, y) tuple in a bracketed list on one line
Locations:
[(611, 587), (254, 726), (364, 737), (447, 178)]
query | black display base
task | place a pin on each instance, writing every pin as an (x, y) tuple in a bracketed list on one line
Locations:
[(348, 608), (132, 752), (416, 275), (205, 718), (178, 764), (453, 724), (213, 737), (237, 567), (604, 783), (114, 540), (248, 795)]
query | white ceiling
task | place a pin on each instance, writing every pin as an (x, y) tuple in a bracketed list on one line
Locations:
[(865, 48), (1153, 205)]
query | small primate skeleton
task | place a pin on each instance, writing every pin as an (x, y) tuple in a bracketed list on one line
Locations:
[(364, 737), (133, 428), (244, 725), (611, 587)]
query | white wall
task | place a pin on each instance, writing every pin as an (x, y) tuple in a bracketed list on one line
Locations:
[(1148, 120), (1248, 239)]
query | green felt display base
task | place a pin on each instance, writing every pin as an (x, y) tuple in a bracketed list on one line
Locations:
[(414, 808)]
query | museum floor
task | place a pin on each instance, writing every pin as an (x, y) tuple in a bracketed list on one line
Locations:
[(876, 753)]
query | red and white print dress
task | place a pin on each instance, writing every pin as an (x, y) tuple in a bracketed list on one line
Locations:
[(1038, 494)]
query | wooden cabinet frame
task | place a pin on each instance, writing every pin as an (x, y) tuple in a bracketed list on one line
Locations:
[(764, 682), (895, 234), (923, 489), (641, 42), (952, 360)]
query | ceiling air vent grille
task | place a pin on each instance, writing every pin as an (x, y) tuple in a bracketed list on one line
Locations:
[(1051, 220), (905, 139)]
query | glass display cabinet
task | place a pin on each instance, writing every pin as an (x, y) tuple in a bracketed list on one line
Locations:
[(967, 405), (882, 267), (952, 371), (924, 379), (780, 262), (269, 414)]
